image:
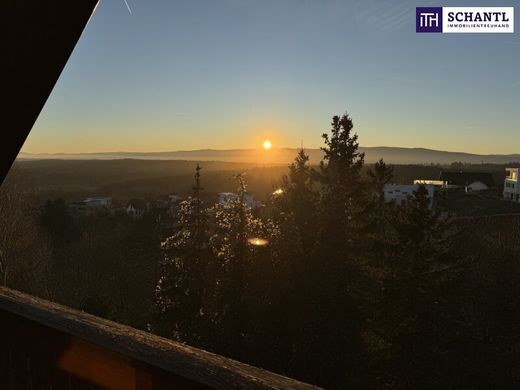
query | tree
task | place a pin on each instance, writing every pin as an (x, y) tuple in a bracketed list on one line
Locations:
[(283, 319), (183, 285), (413, 273), (379, 176), (335, 320), (380, 215), (296, 203), (233, 242), (342, 189)]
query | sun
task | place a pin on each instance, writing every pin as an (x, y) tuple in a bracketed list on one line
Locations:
[(267, 144)]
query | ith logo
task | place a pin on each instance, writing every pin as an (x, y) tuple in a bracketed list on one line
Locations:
[(428, 19)]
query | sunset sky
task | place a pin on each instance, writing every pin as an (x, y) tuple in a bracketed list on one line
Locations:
[(223, 74)]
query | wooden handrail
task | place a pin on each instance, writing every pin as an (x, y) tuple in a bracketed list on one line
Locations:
[(41, 340)]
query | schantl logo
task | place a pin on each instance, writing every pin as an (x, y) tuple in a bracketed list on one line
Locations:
[(428, 19), (465, 19)]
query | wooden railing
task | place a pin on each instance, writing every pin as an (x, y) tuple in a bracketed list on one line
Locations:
[(47, 346)]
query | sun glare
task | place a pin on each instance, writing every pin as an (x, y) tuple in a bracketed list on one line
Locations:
[(257, 241), (267, 144)]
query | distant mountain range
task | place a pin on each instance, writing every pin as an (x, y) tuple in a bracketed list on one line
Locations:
[(392, 155)]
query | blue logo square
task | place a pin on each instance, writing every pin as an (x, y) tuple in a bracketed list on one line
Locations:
[(428, 19)]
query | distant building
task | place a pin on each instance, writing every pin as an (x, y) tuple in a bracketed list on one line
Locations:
[(512, 184), (435, 183), (249, 200), (400, 193), (136, 208), (470, 181)]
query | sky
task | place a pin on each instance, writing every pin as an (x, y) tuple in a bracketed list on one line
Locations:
[(227, 74)]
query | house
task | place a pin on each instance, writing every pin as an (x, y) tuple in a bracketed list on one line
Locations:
[(470, 181), (512, 184), (135, 208), (249, 200), (435, 183), (399, 193)]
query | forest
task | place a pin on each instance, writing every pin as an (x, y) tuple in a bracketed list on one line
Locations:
[(328, 284), (123, 179)]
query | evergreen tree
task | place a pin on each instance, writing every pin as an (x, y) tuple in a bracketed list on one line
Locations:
[(342, 188), (296, 204), (421, 234), (379, 176), (412, 276), (184, 285), (381, 237), (234, 228), (287, 323), (336, 316)]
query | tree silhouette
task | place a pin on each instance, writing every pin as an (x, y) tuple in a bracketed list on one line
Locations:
[(184, 285)]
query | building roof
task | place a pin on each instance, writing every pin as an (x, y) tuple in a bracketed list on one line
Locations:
[(465, 178)]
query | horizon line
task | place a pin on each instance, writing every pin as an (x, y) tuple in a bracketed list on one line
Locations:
[(260, 149)]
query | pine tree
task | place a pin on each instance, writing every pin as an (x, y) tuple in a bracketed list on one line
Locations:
[(380, 225), (336, 319), (420, 233), (297, 203), (235, 244), (413, 279), (286, 322), (342, 188), (379, 176), (184, 285)]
